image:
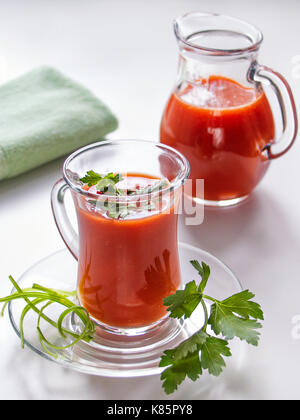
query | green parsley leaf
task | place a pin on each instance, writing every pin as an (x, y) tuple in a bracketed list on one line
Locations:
[(174, 375), (192, 344), (185, 359), (91, 178), (231, 317), (211, 355), (242, 305), (183, 302), (224, 322)]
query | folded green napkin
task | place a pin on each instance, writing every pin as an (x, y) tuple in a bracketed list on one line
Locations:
[(45, 115)]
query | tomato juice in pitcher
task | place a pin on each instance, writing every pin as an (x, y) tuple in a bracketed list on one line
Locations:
[(218, 114)]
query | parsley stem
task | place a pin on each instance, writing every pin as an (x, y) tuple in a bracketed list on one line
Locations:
[(211, 299), (205, 314)]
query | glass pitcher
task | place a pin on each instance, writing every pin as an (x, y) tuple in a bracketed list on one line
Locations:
[(218, 114)]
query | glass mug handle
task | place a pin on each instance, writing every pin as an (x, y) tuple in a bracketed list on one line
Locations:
[(61, 218), (267, 76)]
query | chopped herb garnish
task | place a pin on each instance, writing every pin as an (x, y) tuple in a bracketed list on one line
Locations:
[(236, 316), (107, 185), (157, 186)]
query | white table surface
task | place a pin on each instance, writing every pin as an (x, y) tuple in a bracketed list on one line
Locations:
[(125, 51)]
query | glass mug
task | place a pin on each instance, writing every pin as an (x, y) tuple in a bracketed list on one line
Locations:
[(218, 115), (125, 266)]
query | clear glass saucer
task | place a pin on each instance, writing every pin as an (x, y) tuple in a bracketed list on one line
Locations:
[(110, 354)]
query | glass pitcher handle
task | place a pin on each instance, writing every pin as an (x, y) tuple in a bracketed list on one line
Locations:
[(61, 218), (284, 94)]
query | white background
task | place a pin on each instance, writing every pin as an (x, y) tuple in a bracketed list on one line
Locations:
[(125, 51)]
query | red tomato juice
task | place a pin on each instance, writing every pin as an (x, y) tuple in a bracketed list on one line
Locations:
[(127, 266), (222, 128)]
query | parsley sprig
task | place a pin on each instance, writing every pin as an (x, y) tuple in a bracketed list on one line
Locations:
[(236, 316)]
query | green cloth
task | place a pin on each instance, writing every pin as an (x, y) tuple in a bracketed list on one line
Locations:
[(45, 115)]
